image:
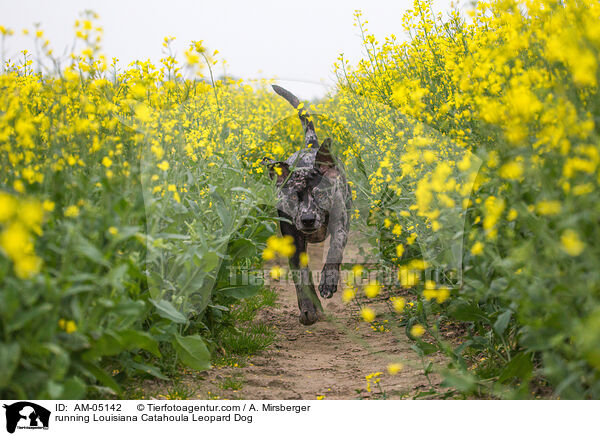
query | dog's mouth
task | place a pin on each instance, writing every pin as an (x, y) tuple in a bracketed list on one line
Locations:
[(309, 231)]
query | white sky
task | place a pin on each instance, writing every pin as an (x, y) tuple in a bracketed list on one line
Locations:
[(296, 42)]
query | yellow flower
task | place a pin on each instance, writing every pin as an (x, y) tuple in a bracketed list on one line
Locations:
[(394, 368), (284, 246), (72, 211), (113, 230), (348, 294), (71, 327), (19, 186), (31, 214), (320, 397), (191, 58), (48, 205), (367, 314), (571, 243), (407, 277), (477, 248), (399, 250), (442, 295), (268, 253), (372, 289), (164, 165), (276, 272), (357, 270), (512, 215), (398, 303), (303, 259), (417, 330), (15, 241), (67, 326), (511, 170), (27, 266), (551, 207), (143, 113), (106, 161), (429, 294), (8, 206)]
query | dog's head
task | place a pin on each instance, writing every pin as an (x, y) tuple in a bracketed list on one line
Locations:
[(306, 185)]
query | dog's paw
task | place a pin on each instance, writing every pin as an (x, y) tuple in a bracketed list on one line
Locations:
[(327, 291), (329, 282), (309, 317)]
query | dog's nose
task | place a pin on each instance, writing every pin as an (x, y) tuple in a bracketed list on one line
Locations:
[(308, 221)]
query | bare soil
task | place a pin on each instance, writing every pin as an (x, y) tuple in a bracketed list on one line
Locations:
[(328, 360)]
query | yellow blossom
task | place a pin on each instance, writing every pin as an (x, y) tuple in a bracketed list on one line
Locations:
[(348, 294), (367, 314), (511, 171), (398, 303), (8, 206), (417, 330), (477, 248), (303, 259), (276, 272), (72, 211), (372, 289), (548, 207), (394, 368), (48, 205), (571, 243)]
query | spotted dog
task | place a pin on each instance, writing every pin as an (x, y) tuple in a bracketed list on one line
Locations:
[(314, 201)]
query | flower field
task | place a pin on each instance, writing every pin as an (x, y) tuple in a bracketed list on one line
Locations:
[(131, 197)]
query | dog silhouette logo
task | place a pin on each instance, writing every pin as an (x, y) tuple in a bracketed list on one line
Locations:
[(26, 415)]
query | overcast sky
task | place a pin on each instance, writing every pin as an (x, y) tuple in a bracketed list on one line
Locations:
[(296, 42)]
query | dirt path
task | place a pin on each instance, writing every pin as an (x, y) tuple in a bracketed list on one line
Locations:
[(329, 359)]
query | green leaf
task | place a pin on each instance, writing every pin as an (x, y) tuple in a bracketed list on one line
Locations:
[(519, 366), (9, 358), (424, 348), (467, 312), (27, 316), (242, 248), (129, 308), (73, 389), (103, 378), (192, 351), (86, 249), (148, 369), (109, 344), (54, 389), (463, 382), (166, 310), (239, 292), (138, 339), (209, 261), (502, 322)]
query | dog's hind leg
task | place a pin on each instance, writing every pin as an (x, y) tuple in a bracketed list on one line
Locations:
[(308, 301)]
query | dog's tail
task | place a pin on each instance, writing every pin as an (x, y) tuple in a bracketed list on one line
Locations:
[(310, 136)]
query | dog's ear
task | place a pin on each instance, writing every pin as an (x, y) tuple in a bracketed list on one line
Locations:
[(278, 169), (324, 159)]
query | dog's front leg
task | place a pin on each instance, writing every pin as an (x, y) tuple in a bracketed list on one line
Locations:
[(308, 302), (338, 230)]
